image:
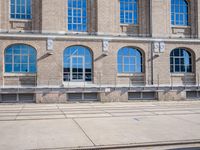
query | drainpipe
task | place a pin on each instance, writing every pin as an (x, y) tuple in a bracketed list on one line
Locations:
[(150, 32)]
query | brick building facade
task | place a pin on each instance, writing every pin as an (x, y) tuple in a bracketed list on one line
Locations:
[(161, 38)]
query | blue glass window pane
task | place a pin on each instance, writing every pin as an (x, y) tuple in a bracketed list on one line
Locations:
[(84, 28), (12, 16), (8, 67), (32, 51), (139, 69), (32, 68), (126, 61), (12, 2), (22, 10), (177, 61), (89, 66), (28, 17), (17, 16), (176, 52), (132, 60), (32, 59), (119, 60), (74, 27), (8, 58), (69, 26), (189, 69), (24, 50), (126, 51), (24, 68), (132, 68), (182, 68), (23, 17), (88, 59), (18, 9), (8, 50), (126, 69), (16, 59), (16, 67), (16, 50), (12, 9), (24, 59)]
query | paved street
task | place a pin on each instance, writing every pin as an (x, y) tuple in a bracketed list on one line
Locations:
[(95, 125)]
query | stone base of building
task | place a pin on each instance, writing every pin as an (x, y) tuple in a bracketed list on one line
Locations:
[(122, 94)]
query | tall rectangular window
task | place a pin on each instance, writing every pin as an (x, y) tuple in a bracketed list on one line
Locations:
[(20, 9), (179, 12), (129, 11), (77, 15)]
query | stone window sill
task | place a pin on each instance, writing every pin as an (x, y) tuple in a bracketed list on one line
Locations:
[(130, 75), (20, 74), (136, 25), (181, 74), (181, 27), (77, 32), (20, 20)]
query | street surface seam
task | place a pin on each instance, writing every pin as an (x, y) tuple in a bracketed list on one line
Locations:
[(130, 145)]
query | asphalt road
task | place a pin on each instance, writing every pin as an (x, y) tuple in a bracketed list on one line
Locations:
[(134, 125)]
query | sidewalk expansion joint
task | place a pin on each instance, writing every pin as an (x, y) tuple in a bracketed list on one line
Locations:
[(63, 113), (83, 131), (19, 112)]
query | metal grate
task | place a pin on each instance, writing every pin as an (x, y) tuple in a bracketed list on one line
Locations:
[(17, 98), (83, 96), (26, 98), (9, 98), (149, 95), (75, 96), (193, 94), (142, 95), (90, 96)]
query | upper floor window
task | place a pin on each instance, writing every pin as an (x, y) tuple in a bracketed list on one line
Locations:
[(129, 11), (129, 60), (20, 58), (179, 12), (180, 61), (20, 9), (77, 15)]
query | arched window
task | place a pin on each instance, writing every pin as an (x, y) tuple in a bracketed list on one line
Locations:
[(129, 11), (77, 64), (180, 61), (179, 12), (77, 15), (20, 58), (129, 60), (20, 9)]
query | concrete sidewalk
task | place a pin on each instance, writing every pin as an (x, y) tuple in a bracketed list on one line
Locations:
[(96, 125)]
